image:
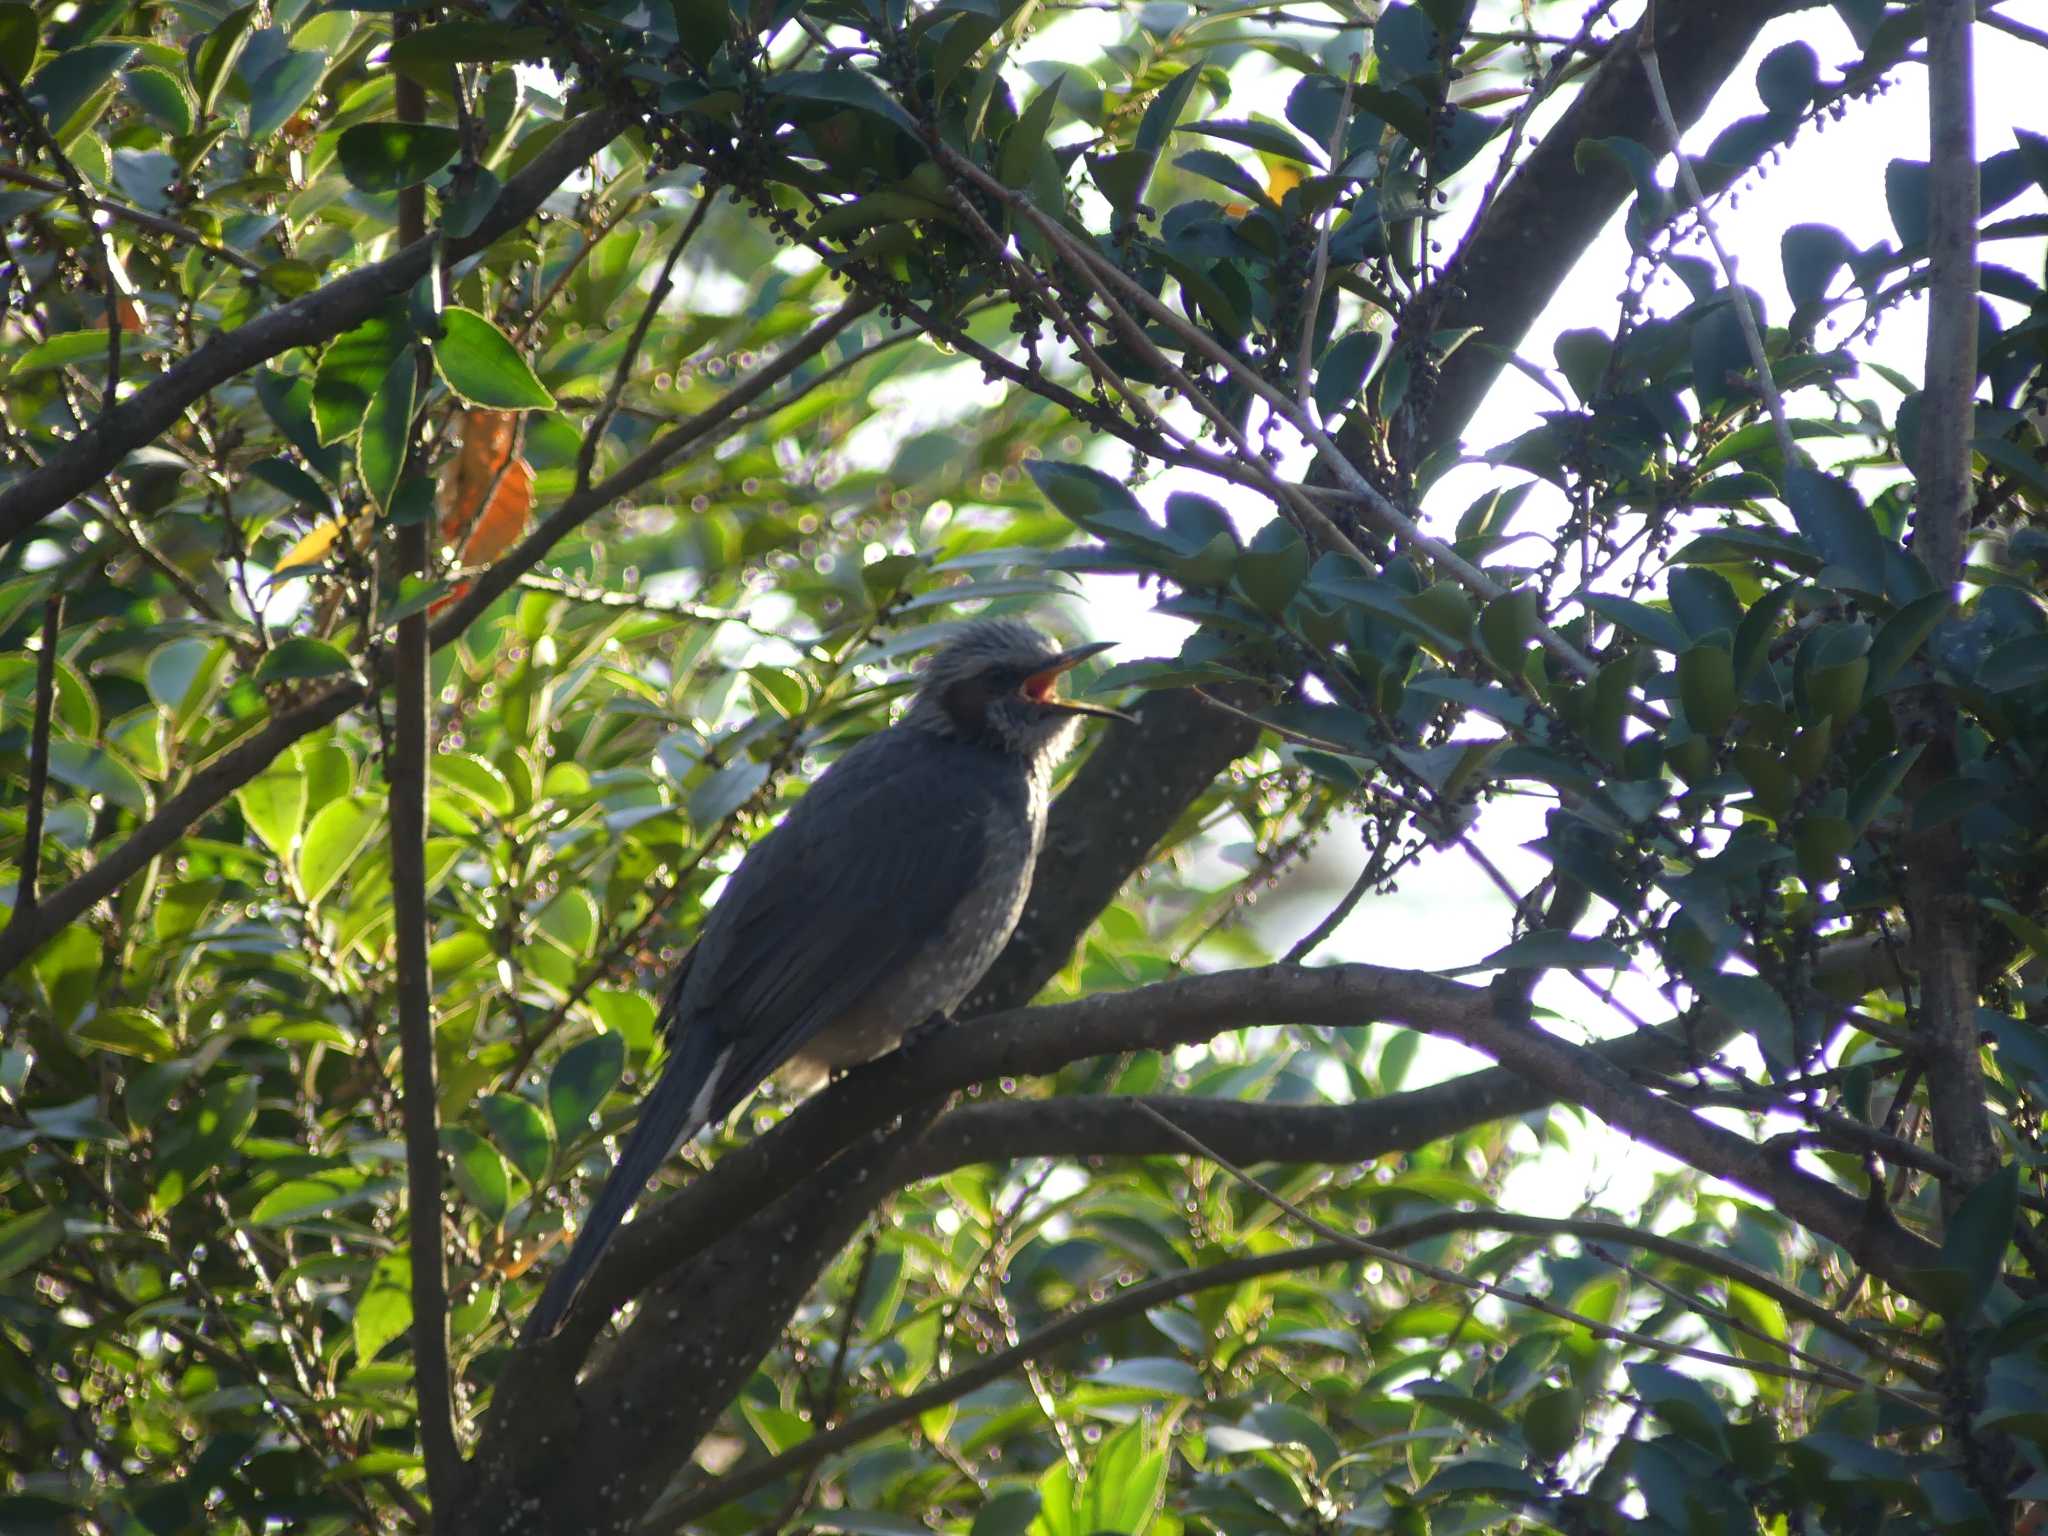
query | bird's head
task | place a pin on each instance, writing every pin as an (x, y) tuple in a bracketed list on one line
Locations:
[(995, 683)]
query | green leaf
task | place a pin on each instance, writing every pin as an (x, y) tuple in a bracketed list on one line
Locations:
[(384, 1310), (1225, 172), (386, 434), (301, 656), (844, 88), (428, 54), (384, 157), (98, 772), (2015, 665), (1681, 1402), (337, 834), (477, 780), (479, 1172), (1552, 1420), (65, 85), (274, 806), (185, 676), (464, 211), (1283, 1424), (1481, 1479), (281, 90), (1256, 133), (1507, 625), (521, 1132), (477, 362), (1811, 255), (350, 370), (1160, 1374), (26, 1239), (129, 1032), (1978, 1235), (1906, 187), (586, 1073), (1025, 141), (215, 57), (298, 1200), (1902, 635), (18, 37), (569, 921), (1340, 373), (162, 97), (1124, 1484), (1547, 949), (66, 349), (1706, 685), (1102, 506), (1834, 520), (1275, 566)]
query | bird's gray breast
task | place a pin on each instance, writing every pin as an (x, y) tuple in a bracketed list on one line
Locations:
[(1010, 826)]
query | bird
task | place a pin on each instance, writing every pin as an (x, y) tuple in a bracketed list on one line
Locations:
[(874, 907)]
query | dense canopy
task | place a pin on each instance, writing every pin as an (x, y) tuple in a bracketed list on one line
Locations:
[(469, 465)]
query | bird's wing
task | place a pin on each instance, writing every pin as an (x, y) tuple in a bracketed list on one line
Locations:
[(861, 875)]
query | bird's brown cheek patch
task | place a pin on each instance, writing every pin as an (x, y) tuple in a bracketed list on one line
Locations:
[(967, 701)]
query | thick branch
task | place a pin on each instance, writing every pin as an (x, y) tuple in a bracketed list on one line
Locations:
[(1937, 896), (573, 1460), (318, 316), (1135, 786), (1186, 1012), (1508, 268), (405, 777)]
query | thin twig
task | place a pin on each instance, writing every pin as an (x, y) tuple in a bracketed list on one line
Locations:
[(593, 437), (250, 756), (155, 223), (1831, 1376), (103, 242), (602, 597), (39, 756), (2012, 28), (1108, 275), (1313, 940), (1305, 357), (1752, 337)]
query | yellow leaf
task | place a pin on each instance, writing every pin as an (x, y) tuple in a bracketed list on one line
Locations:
[(314, 545)]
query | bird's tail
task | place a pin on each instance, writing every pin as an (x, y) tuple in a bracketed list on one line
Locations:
[(680, 1106)]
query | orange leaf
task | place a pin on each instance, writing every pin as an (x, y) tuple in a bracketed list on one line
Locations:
[(484, 461)]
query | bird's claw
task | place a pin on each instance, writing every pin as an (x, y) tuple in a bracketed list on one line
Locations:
[(917, 1034)]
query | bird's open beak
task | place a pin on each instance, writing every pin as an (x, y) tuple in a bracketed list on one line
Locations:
[(1038, 687)]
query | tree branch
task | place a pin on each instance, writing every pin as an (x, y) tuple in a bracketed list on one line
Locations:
[(559, 1458), (1937, 895), (141, 218), (1511, 262), (1745, 316), (39, 758), (405, 777), (1034, 1042), (1135, 1301), (1118, 806), (325, 313), (242, 762)]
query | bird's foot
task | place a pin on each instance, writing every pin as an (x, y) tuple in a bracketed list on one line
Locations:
[(917, 1034)]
